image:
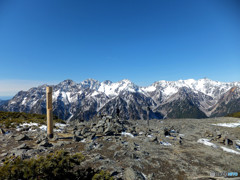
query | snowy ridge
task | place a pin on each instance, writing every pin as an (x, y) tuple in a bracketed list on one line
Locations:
[(92, 96), (205, 86)]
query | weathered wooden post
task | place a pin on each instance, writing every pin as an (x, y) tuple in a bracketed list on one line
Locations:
[(49, 111), (148, 116)]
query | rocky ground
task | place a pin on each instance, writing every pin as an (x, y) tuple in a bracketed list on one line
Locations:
[(166, 149)]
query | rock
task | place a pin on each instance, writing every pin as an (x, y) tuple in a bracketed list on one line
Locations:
[(21, 137), (45, 143), (100, 123), (19, 152), (100, 130), (109, 131), (32, 152), (78, 133), (25, 128), (23, 146), (218, 133), (91, 146), (134, 146), (166, 132), (86, 135), (104, 118), (55, 137), (130, 174), (134, 156), (208, 134), (2, 131), (72, 128), (59, 144), (91, 136), (237, 142), (4, 154), (38, 141), (153, 139), (109, 117), (98, 157), (84, 130), (117, 154), (77, 138)]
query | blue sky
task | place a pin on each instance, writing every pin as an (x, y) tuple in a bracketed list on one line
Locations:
[(49, 41)]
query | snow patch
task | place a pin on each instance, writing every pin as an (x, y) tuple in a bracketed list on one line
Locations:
[(149, 88), (127, 134), (206, 142), (165, 143), (230, 150), (233, 125), (24, 101), (42, 127)]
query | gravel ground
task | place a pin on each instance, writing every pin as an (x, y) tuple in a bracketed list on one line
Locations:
[(190, 151)]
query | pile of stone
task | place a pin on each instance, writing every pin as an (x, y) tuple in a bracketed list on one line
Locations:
[(108, 126), (223, 138)]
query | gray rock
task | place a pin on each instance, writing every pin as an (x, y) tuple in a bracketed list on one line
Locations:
[(33, 152), (77, 138), (100, 130), (78, 133), (237, 142), (84, 130), (100, 124), (104, 118), (130, 174), (153, 139), (90, 136), (19, 152), (4, 154), (90, 146), (109, 117), (59, 144), (23, 146), (45, 143), (2, 131), (21, 137)]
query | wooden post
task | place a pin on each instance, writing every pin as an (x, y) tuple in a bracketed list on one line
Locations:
[(49, 111), (148, 116)]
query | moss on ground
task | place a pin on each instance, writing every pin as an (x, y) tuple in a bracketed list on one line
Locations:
[(13, 119), (58, 165), (236, 115)]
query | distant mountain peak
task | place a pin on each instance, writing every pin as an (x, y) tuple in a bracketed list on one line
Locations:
[(67, 82), (107, 82)]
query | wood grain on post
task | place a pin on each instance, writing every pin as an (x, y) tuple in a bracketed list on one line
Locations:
[(49, 111)]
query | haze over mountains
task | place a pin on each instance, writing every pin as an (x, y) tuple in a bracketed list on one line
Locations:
[(166, 99)]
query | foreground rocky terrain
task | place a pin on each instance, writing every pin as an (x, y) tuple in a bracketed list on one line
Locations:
[(166, 149)]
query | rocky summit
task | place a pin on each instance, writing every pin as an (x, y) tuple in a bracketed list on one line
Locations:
[(161, 149), (163, 99)]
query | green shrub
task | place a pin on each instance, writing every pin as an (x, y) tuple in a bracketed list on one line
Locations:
[(13, 119), (102, 175), (236, 115), (58, 165)]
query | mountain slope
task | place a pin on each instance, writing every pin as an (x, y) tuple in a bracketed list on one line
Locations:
[(3, 102), (228, 103), (182, 104), (172, 99)]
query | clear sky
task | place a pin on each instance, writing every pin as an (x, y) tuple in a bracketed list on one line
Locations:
[(48, 41)]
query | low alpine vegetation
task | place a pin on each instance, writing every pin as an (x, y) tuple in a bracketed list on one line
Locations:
[(58, 165), (13, 119)]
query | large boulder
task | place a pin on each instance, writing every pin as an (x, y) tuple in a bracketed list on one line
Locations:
[(130, 174)]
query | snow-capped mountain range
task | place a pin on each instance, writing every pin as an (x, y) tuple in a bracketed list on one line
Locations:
[(166, 99)]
